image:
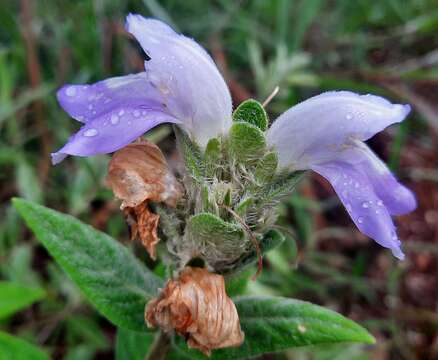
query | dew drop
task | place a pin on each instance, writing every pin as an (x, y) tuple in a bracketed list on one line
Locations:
[(80, 118), (377, 211), (114, 119), (153, 40), (71, 91), (90, 132), (360, 219), (348, 207), (365, 205), (349, 116), (143, 112), (380, 203), (90, 106), (121, 112), (136, 113)]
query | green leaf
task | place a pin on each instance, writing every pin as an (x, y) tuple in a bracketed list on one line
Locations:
[(251, 111), (131, 345), (109, 275), (247, 142), (206, 227), (273, 324), (193, 158), (15, 297), (12, 347)]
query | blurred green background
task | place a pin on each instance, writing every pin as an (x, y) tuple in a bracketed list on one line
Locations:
[(387, 47)]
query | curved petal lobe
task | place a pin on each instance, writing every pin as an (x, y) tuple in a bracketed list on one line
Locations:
[(398, 199), (114, 111), (315, 130), (181, 69), (366, 209), (86, 102)]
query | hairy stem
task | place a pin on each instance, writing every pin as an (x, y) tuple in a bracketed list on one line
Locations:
[(160, 348)]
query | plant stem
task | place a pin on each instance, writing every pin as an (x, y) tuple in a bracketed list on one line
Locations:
[(160, 347)]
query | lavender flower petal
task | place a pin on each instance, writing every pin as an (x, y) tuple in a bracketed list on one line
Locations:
[(181, 69), (112, 131), (315, 130), (85, 102), (398, 199), (365, 208)]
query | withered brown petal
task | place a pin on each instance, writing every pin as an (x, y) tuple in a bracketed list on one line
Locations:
[(139, 172), (196, 306)]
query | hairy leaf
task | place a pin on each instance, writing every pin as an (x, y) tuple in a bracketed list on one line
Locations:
[(114, 281), (251, 111), (207, 227), (193, 158), (273, 324), (247, 142), (266, 168)]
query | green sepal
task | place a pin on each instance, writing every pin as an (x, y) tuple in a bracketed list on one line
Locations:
[(266, 168), (236, 284), (244, 205), (212, 157), (270, 240), (192, 155), (246, 142), (251, 111), (209, 228), (278, 189)]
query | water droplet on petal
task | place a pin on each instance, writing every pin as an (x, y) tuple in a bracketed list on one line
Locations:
[(380, 203), (136, 113), (348, 207), (360, 219), (114, 119), (70, 91), (365, 205), (121, 112), (349, 116), (90, 106), (90, 132), (377, 211)]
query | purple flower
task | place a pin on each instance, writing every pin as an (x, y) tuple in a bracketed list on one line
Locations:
[(182, 85), (326, 133)]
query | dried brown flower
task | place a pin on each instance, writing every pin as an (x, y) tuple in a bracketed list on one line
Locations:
[(144, 224), (137, 174), (196, 306)]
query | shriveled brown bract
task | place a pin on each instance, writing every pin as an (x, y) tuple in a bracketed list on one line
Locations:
[(197, 307), (137, 174)]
